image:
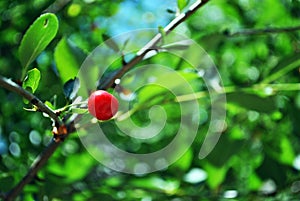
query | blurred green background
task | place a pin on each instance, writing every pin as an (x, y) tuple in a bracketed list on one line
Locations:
[(258, 155)]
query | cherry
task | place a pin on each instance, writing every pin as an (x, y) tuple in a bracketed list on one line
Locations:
[(102, 105)]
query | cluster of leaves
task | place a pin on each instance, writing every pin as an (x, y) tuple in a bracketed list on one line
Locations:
[(256, 157)]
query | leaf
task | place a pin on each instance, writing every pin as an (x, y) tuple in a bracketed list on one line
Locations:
[(79, 110), (37, 38), (171, 11), (32, 80), (67, 59), (252, 101), (216, 175), (86, 164), (185, 161), (180, 45), (285, 154), (106, 78), (71, 88), (111, 43), (50, 105), (182, 4)]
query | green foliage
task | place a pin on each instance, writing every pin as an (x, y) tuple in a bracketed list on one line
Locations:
[(37, 38), (32, 80), (258, 147), (182, 4), (66, 61)]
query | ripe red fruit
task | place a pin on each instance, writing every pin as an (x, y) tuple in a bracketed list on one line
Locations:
[(102, 105)]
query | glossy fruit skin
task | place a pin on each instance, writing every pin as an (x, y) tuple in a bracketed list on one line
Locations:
[(102, 105)]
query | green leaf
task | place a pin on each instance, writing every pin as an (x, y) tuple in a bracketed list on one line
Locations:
[(285, 154), (50, 105), (32, 80), (171, 11), (182, 4), (111, 43), (86, 163), (180, 45), (71, 88), (185, 161), (216, 175), (37, 38), (79, 111), (252, 101), (66, 59)]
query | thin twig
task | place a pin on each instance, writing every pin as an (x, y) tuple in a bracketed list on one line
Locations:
[(152, 44), (247, 32), (12, 86), (56, 6), (43, 157)]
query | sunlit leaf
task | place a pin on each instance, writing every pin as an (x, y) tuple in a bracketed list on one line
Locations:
[(180, 45), (185, 161), (86, 163), (66, 60), (182, 4), (32, 80), (216, 175), (37, 38), (286, 154), (79, 110), (50, 105)]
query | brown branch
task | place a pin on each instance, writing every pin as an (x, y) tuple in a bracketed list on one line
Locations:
[(12, 86), (35, 167), (44, 156), (152, 44), (262, 31), (56, 6)]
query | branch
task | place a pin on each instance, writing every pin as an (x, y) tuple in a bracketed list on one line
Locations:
[(35, 167), (12, 86), (56, 6), (262, 31), (152, 44), (44, 156)]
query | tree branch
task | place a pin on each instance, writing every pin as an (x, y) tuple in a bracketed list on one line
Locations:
[(56, 6), (35, 167), (12, 86), (151, 44), (53, 145), (262, 31)]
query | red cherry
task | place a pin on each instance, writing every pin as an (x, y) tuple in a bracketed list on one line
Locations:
[(102, 105)]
